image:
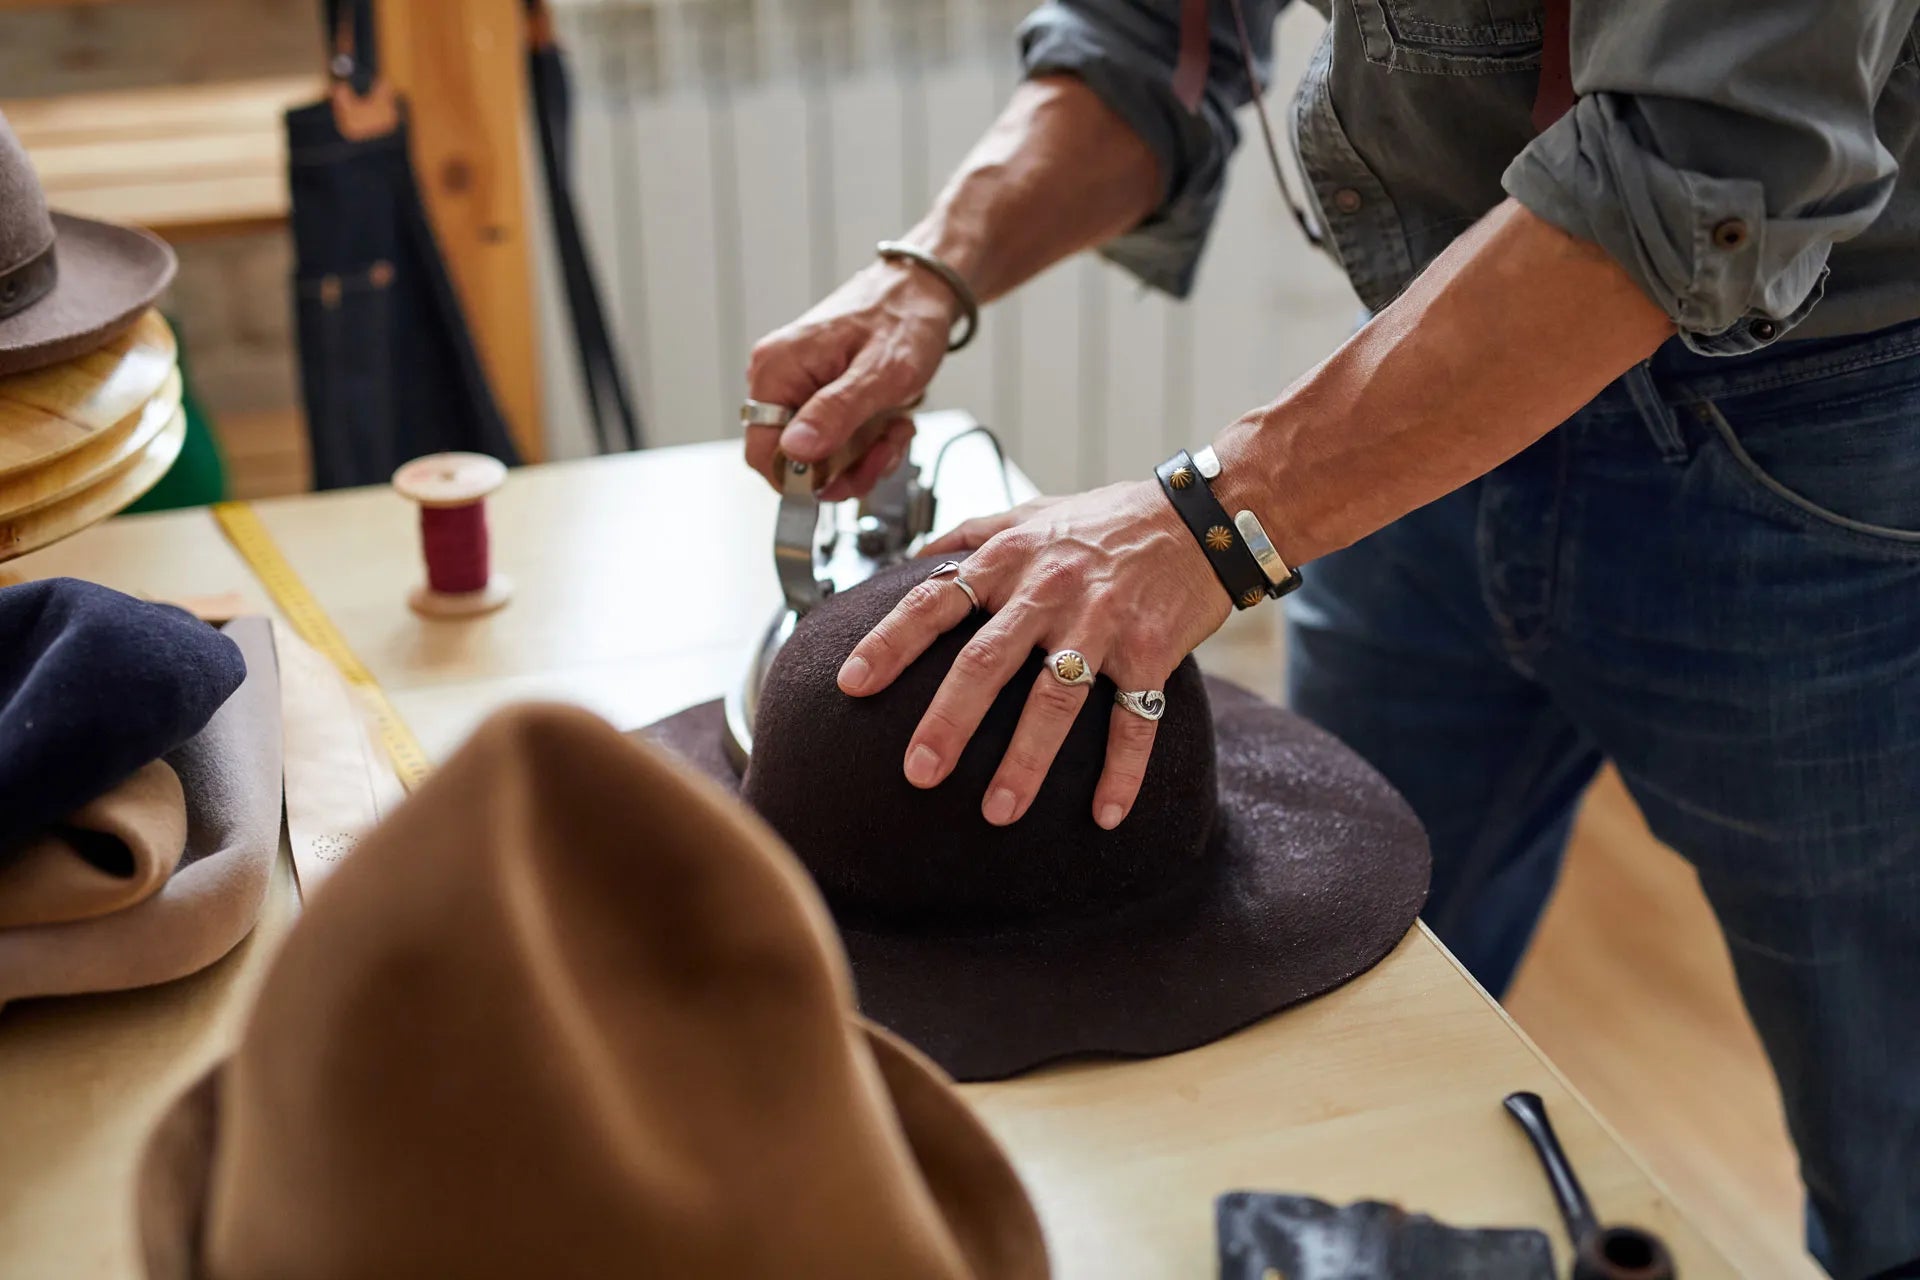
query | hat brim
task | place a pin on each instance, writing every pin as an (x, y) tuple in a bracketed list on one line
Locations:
[(108, 275), (1319, 869), (966, 1171)]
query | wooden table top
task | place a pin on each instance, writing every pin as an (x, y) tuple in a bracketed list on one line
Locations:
[(642, 583)]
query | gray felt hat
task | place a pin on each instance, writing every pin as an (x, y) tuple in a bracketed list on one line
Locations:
[(1264, 862), (67, 285)]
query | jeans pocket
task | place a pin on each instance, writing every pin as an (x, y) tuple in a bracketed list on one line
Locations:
[(346, 369), (1451, 37), (1842, 463)]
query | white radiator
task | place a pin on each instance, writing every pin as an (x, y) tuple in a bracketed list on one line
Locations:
[(737, 158)]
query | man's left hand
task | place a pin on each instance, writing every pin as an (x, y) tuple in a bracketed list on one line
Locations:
[(1112, 573)]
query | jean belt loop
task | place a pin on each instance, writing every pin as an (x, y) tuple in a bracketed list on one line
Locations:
[(1662, 422)]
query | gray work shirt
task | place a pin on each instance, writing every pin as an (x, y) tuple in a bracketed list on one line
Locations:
[(1750, 163)]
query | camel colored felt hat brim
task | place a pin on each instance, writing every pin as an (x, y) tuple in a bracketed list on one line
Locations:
[(109, 274), (572, 1012), (1264, 862)]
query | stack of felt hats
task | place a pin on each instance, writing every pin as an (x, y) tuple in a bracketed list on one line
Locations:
[(90, 410)]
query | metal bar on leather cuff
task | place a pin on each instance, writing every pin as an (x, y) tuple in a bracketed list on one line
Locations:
[(1281, 578), (1211, 527)]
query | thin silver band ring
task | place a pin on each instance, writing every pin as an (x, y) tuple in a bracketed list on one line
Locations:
[(1148, 704), (950, 570), (760, 413)]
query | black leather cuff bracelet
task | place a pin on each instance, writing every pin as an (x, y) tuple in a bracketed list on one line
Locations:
[(1220, 542)]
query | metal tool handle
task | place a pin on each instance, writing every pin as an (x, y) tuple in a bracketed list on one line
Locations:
[(804, 580), (1610, 1253)]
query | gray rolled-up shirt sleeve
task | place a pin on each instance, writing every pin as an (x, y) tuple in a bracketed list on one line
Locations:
[(1125, 51), (1719, 149)]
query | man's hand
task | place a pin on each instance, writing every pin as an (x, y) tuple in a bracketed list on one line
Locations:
[(871, 346), (1112, 573), (1059, 172)]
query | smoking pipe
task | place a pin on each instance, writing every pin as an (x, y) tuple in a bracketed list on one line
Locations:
[(1599, 1253)]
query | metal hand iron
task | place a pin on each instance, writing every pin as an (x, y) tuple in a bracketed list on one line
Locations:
[(816, 556)]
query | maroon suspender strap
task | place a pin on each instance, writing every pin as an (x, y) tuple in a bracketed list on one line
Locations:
[(1555, 95), (1190, 72)]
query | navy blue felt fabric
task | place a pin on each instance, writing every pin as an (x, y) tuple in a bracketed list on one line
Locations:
[(93, 685)]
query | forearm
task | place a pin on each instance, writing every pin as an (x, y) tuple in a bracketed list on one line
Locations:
[(1506, 335), (1057, 173)]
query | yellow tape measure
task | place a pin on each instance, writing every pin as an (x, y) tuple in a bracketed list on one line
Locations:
[(243, 527)]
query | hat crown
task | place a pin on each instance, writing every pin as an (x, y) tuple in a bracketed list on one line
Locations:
[(26, 228), (827, 774)]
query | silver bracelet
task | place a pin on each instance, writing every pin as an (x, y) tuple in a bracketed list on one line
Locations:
[(895, 251)]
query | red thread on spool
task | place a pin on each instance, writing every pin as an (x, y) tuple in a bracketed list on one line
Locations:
[(455, 542), (451, 489)]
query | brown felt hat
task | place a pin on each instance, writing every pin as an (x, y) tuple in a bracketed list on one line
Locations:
[(1263, 863), (573, 1012), (67, 285)]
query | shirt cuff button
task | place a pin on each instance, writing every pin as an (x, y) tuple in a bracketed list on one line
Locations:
[(1347, 200), (1764, 330), (1730, 234)]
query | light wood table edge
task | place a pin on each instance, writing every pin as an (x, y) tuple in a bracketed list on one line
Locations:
[(1697, 1221)]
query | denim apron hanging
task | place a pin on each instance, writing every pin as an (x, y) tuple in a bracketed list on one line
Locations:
[(388, 368)]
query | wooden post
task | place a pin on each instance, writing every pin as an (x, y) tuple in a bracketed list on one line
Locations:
[(461, 65)]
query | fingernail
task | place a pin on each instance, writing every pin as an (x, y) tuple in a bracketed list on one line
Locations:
[(853, 674), (1109, 816), (922, 765), (800, 438), (999, 808)]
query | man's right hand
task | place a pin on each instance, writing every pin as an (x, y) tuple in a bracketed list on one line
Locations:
[(873, 345)]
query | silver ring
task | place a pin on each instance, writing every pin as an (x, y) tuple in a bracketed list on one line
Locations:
[(952, 567), (758, 413), (1148, 704), (1070, 667)]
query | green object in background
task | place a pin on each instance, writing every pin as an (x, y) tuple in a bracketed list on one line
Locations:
[(199, 475)]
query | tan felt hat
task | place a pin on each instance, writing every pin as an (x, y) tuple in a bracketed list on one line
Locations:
[(179, 908), (571, 1011), (67, 284)]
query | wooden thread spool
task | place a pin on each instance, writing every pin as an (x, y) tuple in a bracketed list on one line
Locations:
[(451, 490)]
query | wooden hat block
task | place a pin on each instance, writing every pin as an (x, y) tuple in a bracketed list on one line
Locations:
[(81, 440)]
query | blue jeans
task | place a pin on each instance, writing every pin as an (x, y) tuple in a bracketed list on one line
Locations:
[(1711, 577)]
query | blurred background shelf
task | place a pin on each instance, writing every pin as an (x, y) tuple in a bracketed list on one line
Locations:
[(186, 161)]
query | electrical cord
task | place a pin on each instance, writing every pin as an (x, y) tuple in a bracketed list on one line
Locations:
[(999, 453)]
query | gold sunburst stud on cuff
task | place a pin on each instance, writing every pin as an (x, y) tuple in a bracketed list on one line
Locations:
[(1218, 539), (1251, 597), (1180, 477)]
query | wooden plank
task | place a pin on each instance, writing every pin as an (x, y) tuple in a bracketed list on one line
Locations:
[(462, 66), (47, 414), (184, 160)]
